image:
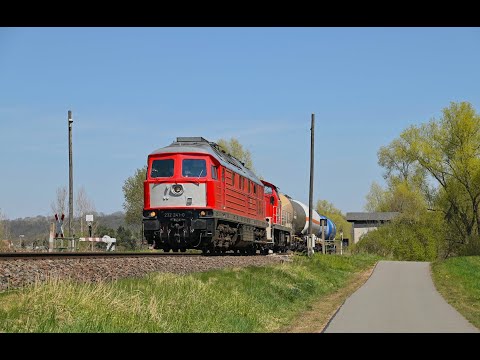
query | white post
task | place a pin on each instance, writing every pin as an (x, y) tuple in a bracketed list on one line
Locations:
[(50, 239), (310, 244), (341, 243)]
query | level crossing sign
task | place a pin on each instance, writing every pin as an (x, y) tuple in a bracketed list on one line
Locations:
[(59, 225)]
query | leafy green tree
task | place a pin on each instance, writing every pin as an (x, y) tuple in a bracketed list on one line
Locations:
[(103, 230), (376, 199), (436, 166), (406, 182), (405, 238), (125, 239), (327, 209), (399, 196), (133, 204), (449, 150), (399, 164), (236, 149)]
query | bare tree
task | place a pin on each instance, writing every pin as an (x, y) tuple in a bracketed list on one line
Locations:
[(5, 243), (83, 206), (2, 226), (59, 205)]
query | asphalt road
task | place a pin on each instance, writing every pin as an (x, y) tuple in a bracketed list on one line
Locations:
[(399, 297)]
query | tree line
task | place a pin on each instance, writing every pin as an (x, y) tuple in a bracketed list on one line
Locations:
[(34, 231), (432, 174)]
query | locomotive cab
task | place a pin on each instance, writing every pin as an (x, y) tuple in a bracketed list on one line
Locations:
[(178, 203), (273, 205), (277, 205)]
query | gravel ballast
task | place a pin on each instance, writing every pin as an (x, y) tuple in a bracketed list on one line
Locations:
[(21, 272)]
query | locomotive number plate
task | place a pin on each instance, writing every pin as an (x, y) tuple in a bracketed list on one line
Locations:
[(173, 215)]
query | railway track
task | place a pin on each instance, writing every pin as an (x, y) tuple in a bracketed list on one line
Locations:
[(22, 268), (86, 255), (99, 255)]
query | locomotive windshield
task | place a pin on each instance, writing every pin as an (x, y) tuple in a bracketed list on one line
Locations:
[(162, 168), (194, 168)]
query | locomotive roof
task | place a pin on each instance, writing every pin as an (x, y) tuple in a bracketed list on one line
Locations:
[(201, 145)]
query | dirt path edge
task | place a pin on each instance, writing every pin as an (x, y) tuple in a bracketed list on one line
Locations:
[(318, 317)]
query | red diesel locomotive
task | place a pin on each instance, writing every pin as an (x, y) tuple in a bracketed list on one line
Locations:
[(196, 196)]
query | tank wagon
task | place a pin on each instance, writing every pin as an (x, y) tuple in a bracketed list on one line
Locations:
[(196, 196)]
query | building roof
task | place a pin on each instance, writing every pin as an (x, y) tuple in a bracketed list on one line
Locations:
[(370, 216)]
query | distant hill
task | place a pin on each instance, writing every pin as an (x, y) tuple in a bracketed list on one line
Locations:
[(37, 228), (113, 220)]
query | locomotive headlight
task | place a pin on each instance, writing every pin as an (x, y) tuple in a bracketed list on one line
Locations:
[(177, 189), (153, 213), (202, 213)]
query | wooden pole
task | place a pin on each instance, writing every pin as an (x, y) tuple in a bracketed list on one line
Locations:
[(310, 201), (324, 250), (70, 175)]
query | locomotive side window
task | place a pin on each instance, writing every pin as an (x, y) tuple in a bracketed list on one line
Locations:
[(162, 168), (214, 173), (194, 168), (268, 189)]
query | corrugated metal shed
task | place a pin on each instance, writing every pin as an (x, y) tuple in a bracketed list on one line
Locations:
[(370, 216)]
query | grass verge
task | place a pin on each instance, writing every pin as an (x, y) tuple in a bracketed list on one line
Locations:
[(239, 300), (458, 280)]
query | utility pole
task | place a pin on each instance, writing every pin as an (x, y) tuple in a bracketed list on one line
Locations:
[(70, 175), (324, 248), (310, 201)]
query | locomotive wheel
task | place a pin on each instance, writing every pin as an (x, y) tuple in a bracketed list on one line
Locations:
[(183, 249), (166, 249)]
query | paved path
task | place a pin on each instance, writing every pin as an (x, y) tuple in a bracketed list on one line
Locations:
[(398, 297)]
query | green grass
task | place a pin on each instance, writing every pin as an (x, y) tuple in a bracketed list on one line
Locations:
[(458, 280), (240, 300)]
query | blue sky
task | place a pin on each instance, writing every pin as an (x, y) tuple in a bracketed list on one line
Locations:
[(133, 90)]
